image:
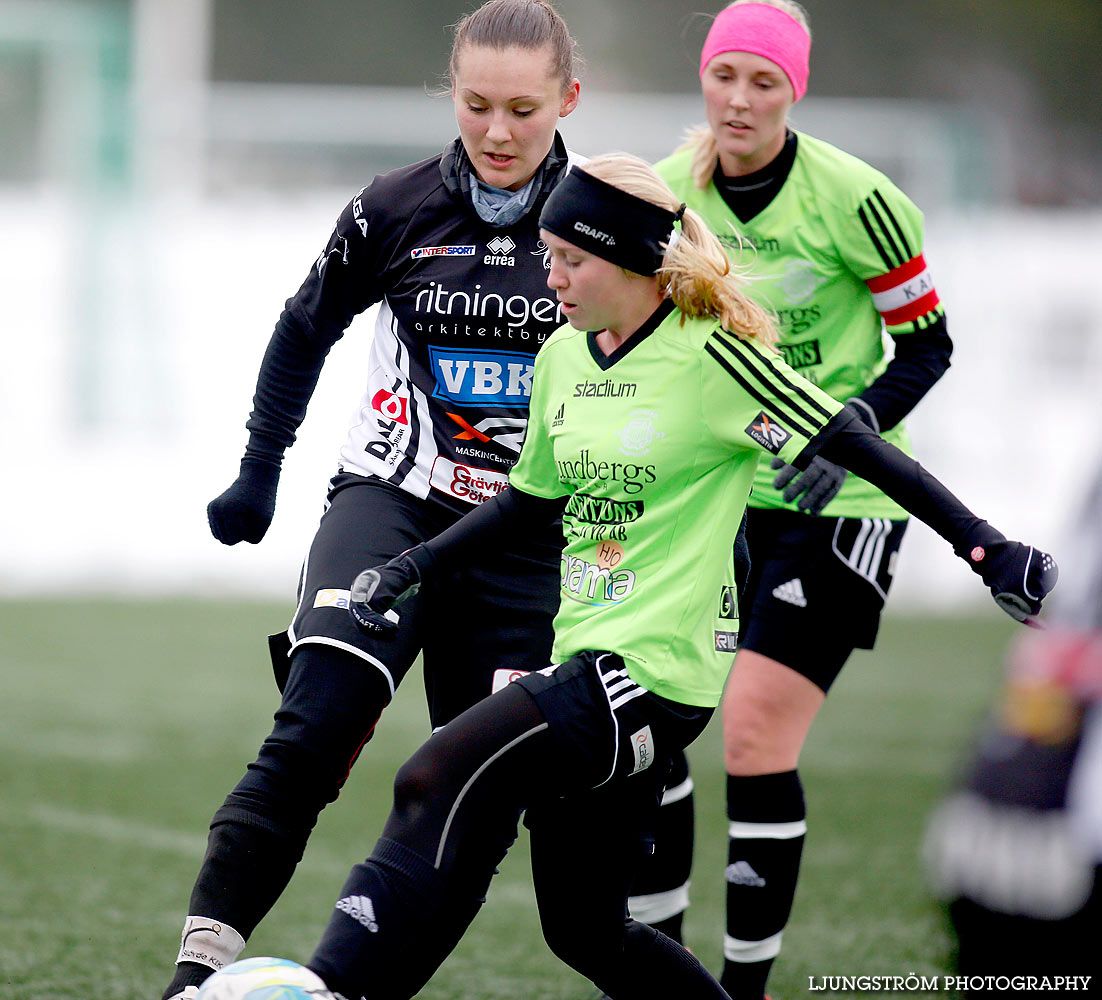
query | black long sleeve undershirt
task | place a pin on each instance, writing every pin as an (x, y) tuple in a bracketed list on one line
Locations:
[(501, 522), (856, 447), (512, 515), (921, 358), (288, 376)]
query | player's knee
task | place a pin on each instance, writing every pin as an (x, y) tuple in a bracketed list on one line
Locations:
[(288, 784), (748, 743), (417, 784)]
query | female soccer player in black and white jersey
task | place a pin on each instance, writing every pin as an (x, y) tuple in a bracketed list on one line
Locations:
[(449, 248)]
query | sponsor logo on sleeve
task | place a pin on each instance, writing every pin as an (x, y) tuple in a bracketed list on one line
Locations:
[(727, 603), (768, 433), (482, 378), (466, 482), (452, 251)]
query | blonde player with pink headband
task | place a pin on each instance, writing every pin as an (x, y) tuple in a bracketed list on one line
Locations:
[(837, 251)]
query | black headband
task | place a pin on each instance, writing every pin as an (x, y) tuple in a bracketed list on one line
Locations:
[(608, 222)]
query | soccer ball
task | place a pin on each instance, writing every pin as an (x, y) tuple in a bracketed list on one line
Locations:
[(264, 979)]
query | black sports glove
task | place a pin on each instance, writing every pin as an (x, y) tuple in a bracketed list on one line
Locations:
[(821, 480), (1019, 575), (819, 483), (245, 510), (377, 590)]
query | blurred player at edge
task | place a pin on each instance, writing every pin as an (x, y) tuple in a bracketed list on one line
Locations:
[(449, 248), (837, 254), (1016, 850)]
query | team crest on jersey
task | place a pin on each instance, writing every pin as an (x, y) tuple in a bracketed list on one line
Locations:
[(800, 281), (768, 433), (542, 250), (338, 246), (453, 251), (640, 432)]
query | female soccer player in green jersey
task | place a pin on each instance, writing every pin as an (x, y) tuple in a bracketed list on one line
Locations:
[(837, 255), (648, 415)]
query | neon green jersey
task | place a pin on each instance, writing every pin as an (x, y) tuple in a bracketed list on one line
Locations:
[(655, 446), (838, 258)]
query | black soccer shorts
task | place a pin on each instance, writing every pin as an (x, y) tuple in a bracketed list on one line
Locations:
[(482, 621), (816, 587)]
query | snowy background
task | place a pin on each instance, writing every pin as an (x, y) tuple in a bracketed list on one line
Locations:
[(132, 339)]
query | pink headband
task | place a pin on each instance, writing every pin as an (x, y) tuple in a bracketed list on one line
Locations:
[(763, 30)]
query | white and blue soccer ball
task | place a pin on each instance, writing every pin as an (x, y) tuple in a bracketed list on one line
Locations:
[(264, 979)]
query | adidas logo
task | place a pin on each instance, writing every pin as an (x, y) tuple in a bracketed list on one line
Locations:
[(792, 592), (740, 873), (360, 909), (560, 416)]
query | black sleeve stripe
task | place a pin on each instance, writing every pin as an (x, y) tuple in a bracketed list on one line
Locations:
[(769, 377), (895, 225), (886, 233), (888, 265), (765, 401), (774, 399)]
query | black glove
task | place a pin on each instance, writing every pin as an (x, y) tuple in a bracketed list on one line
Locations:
[(245, 510), (819, 483), (1019, 575), (376, 590)]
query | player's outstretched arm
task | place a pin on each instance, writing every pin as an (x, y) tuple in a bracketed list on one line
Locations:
[(1018, 575)]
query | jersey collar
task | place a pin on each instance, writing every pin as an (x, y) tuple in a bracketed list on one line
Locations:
[(606, 361)]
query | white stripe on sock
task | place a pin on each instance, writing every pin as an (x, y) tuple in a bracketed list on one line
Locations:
[(766, 831), (735, 950)]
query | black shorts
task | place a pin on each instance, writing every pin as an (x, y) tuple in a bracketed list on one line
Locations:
[(816, 587), (489, 619), (612, 737)]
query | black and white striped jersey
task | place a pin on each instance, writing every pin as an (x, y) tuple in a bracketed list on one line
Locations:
[(463, 309)]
